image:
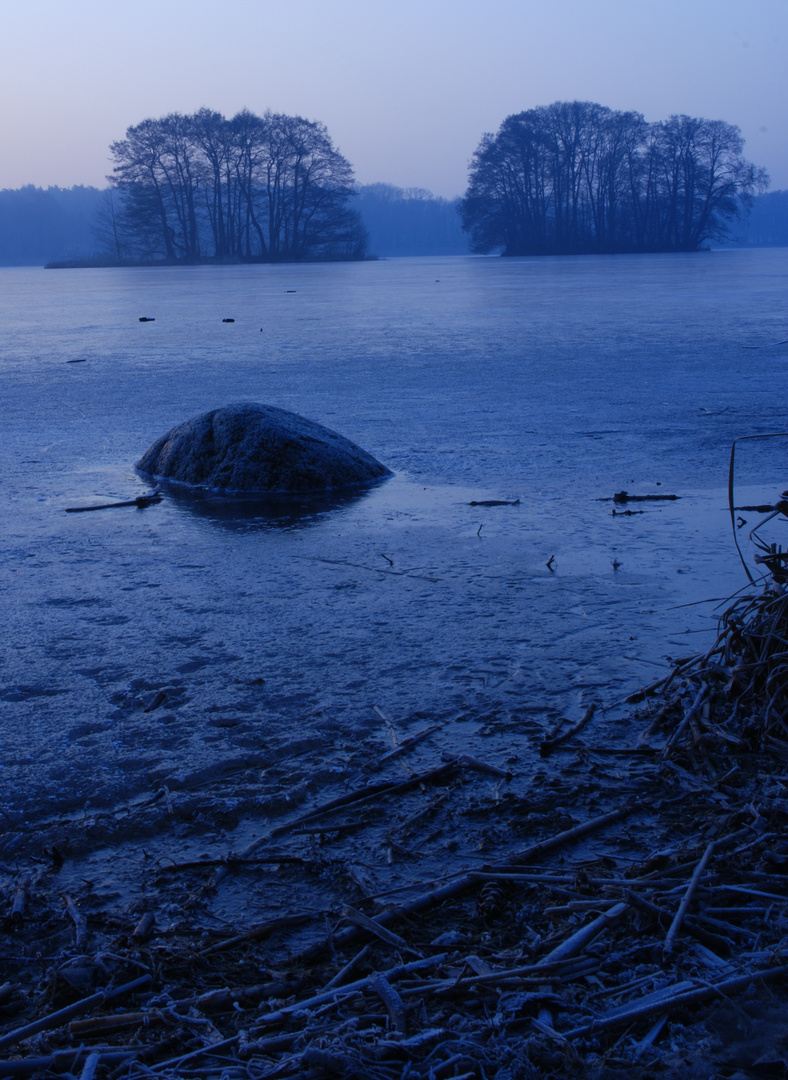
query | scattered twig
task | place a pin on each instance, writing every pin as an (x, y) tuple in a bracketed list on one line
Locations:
[(18, 906), (365, 923), (79, 921), (258, 932), (586, 934), (625, 497), (140, 502), (681, 999), (494, 502), (549, 744), (686, 901), (338, 993), (63, 1061), (406, 744)]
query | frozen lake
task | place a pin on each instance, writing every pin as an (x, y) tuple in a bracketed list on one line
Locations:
[(553, 381)]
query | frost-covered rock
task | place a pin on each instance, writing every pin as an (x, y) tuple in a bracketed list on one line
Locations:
[(250, 448)]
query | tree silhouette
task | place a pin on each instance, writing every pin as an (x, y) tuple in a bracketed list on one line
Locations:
[(254, 188), (579, 177)]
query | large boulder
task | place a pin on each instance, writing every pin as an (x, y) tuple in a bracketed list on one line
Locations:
[(258, 448)]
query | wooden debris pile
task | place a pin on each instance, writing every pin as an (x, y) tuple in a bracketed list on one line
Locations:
[(551, 959), (736, 695), (615, 910)]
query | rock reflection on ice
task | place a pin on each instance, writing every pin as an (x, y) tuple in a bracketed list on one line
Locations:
[(279, 511)]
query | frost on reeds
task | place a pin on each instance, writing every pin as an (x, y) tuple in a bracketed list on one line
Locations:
[(736, 694)]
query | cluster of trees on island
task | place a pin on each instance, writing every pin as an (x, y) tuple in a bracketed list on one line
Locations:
[(258, 188), (578, 177), (269, 187), (572, 177)]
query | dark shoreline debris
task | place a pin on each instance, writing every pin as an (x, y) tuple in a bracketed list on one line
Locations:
[(661, 905), (617, 908)]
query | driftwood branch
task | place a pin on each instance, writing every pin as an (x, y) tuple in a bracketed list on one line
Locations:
[(586, 934), (406, 744), (677, 1000), (354, 798), (66, 1060), (56, 1019), (395, 1006), (686, 901), (465, 881), (365, 923), (338, 993), (258, 932)]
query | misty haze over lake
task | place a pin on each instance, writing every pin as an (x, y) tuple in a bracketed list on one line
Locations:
[(555, 381)]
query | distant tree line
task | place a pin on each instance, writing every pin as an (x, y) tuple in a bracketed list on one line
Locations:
[(766, 224), (568, 177), (410, 221), (258, 188), (37, 224), (42, 225), (579, 177), (84, 225)]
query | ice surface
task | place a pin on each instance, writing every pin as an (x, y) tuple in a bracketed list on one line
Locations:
[(553, 381)]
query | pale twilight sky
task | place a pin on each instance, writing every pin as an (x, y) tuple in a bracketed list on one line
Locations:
[(405, 87)]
